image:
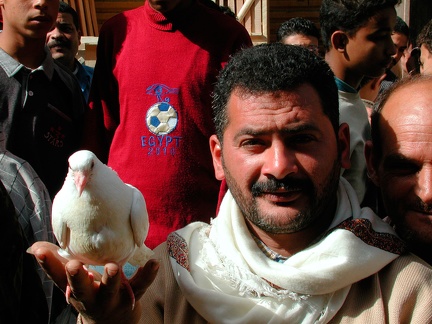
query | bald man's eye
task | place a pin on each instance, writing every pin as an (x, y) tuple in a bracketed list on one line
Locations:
[(400, 167)]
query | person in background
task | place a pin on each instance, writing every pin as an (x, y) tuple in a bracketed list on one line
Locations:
[(424, 42), (150, 113), (290, 243), (399, 160), (370, 88), (299, 31), (400, 37), (63, 41), (42, 106), (357, 39)]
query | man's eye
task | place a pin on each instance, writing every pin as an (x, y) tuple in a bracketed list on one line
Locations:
[(303, 138), (252, 142), (403, 168), (66, 29)]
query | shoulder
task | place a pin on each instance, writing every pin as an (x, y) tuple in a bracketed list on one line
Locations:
[(398, 293), (406, 287), (87, 68), (409, 270), (112, 24)]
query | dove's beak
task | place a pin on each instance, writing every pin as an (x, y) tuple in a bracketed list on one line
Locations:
[(80, 179)]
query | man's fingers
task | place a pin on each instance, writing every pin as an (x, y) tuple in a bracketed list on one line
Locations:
[(82, 286), (111, 281), (144, 278), (51, 262)]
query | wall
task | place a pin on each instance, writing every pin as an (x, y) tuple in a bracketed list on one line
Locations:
[(105, 9), (282, 10)]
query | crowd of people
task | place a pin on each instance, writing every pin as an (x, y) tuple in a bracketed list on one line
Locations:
[(284, 182)]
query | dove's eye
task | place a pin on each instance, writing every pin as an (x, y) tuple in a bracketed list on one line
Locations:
[(92, 165)]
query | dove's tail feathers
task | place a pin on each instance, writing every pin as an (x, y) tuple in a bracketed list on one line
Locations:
[(141, 256)]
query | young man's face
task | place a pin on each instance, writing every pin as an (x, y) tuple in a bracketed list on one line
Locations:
[(425, 60), (404, 171), (368, 52), (310, 42), (280, 159), (29, 18), (63, 40), (400, 42)]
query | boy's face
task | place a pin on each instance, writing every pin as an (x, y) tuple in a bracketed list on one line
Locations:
[(369, 51), (425, 60), (400, 42), (29, 18)]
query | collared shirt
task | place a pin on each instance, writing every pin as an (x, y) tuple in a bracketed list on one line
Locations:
[(343, 86), (13, 67), (41, 117)]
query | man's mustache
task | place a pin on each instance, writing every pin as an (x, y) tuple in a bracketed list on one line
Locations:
[(421, 206), (288, 184), (60, 43)]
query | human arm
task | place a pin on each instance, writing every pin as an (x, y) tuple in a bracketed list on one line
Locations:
[(98, 299), (102, 117)]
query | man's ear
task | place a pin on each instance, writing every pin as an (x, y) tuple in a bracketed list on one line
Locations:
[(79, 36), (371, 163), (216, 152), (344, 145), (339, 40)]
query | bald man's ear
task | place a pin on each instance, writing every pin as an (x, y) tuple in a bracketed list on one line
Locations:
[(339, 40), (371, 163)]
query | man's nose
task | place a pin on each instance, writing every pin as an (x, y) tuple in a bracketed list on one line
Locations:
[(280, 161), (424, 185)]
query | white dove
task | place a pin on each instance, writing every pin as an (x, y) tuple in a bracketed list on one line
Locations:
[(97, 218)]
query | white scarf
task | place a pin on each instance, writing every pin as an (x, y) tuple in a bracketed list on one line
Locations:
[(221, 270)]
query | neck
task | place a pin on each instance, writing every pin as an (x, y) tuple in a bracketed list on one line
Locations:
[(70, 64), (29, 52), (288, 244), (336, 62), (169, 13)]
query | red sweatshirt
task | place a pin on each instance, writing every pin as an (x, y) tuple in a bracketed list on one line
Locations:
[(151, 102)]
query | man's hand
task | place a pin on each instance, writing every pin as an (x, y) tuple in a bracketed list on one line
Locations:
[(98, 299)]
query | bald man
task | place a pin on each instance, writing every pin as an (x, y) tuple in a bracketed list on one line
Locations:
[(399, 160)]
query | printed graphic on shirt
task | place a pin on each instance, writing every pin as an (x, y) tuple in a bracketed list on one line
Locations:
[(161, 117), (55, 137), (161, 120)]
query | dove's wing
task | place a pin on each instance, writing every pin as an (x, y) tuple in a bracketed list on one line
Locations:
[(59, 226), (139, 217)]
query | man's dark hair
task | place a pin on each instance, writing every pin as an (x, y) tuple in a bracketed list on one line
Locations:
[(380, 103), (348, 16), (425, 36), (271, 68), (296, 26), (401, 27), (65, 8)]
